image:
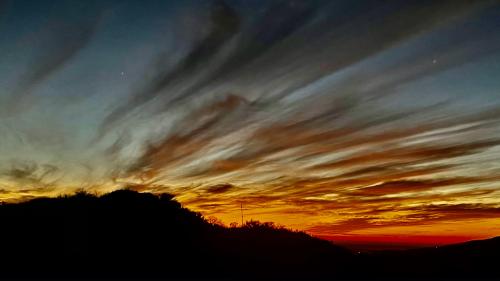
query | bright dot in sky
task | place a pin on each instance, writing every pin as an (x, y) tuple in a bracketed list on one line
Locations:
[(433, 61)]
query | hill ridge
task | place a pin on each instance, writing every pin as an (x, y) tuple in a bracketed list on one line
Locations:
[(126, 233)]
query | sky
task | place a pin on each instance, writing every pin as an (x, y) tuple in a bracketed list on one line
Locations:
[(351, 120)]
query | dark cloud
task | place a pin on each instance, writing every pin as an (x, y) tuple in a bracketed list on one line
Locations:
[(425, 215), (223, 24), (275, 31), (5, 191), (461, 210), (118, 145), (152, 188), (220, 188), (344, 226), (413, 153), (194, 134), (30, 173), (393, 187), (57, 43)]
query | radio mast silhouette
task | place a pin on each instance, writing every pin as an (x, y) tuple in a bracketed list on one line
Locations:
[(241, 208)]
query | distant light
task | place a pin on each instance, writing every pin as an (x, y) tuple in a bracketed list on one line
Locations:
[(434, 61)]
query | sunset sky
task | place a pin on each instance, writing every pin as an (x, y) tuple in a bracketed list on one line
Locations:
[(351, 120)]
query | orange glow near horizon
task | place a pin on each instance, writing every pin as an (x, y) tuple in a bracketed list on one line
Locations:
[(405, 221), (410, 225), (409, 240)]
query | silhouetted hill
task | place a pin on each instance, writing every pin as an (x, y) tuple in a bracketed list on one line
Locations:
[(130, 234), (471, 260), (125, 233)]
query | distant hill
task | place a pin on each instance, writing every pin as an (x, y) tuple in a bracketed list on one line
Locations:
[(130, 234), (470, 260)]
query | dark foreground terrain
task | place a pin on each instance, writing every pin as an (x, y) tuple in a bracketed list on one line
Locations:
[(125, 234)]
